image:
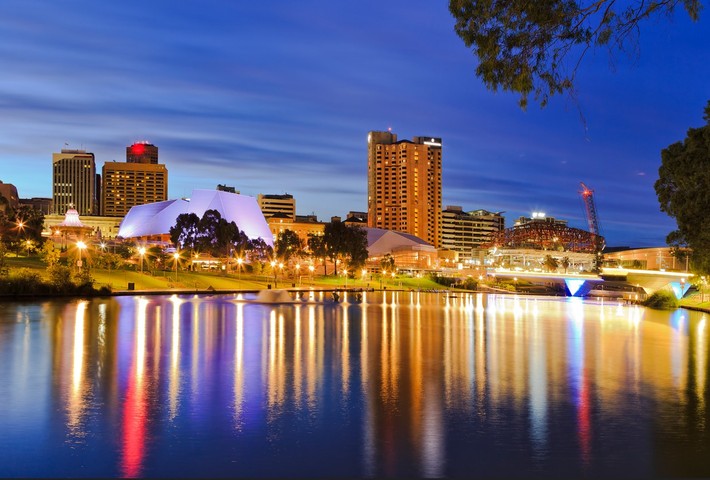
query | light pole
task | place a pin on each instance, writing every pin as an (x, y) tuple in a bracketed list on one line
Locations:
[(81, 246), (142, 252), (310, 269), (176, 257), (239, 268), (273, 267), (28, 243), (298, 269), (345, 272)]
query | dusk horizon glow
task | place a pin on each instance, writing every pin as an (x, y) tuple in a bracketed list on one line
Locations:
[(280, 99)]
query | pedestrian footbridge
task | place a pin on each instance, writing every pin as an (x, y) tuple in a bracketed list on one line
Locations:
[(616, 282)]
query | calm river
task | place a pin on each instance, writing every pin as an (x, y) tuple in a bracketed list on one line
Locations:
[(394, 384)]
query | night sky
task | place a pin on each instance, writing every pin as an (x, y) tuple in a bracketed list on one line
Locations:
[(278, 97)]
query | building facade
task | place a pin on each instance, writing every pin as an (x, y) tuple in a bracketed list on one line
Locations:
[(9, 192), (138, 181), (464, 232), (277, 204), (74, 182), (404, 185), (142, 152)]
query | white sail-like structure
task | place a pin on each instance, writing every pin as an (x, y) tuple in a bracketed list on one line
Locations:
[(157, 218)]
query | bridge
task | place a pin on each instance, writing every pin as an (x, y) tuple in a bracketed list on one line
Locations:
[(619, 282)]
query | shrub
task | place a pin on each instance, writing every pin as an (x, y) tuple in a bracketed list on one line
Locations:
[(661, 300), (59, 277)]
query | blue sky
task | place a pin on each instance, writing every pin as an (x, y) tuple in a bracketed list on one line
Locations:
[(278, 97)]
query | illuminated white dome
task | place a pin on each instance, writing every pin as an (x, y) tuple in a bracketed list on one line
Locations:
[(158, 218)]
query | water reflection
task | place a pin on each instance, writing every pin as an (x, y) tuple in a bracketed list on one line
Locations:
[(399, 383)]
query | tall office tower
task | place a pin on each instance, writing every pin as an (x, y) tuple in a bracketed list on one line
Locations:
[(464, 232), (272, 204), (404, 185), (140, 180), (142, 152), (74, 182)]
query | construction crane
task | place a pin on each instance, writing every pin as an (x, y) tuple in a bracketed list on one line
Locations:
[(590, 209)]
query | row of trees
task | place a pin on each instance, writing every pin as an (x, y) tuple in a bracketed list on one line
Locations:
[(212, 234)]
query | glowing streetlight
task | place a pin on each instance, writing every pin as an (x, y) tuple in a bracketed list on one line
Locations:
[(142, 252), (345, 272), (311, 268), (298, 269), (176, 257), (273, 267), (81, 246), (239, 267), (28, 243)]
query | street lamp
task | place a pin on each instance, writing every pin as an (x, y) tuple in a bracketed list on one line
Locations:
[(273, 267), (176, 257), (28, 243), (298, 269), (311, 268), (81, 246), (345, 272), (239, 268), (142, 252)]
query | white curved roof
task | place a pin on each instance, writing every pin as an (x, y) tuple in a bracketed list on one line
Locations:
[(158, 218), (381, 241)]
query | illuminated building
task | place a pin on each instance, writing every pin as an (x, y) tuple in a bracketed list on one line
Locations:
[(464, 232), (404, 185), (408, 251), (303, 226), (74, 182), (271, 205), (138, 181), (142, 152), (9, 192)]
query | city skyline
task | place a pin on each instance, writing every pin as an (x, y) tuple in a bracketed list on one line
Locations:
[(281, 100)]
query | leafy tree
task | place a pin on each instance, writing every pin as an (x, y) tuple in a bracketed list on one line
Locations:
[(4, 268), (49, 254), (316, 245), (564, 263), (288, 244), (259, 252), (683, 190), (343, 242), (185, 233), (550, 263), (526, 46), (387, 263), (357, 247)]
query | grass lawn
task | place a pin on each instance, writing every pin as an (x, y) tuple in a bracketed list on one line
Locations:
[(201, 280)]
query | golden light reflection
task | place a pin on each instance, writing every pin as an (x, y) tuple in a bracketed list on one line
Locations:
[(297, 358), (174, 388), (345, 352), (77, 401), (701, 363)]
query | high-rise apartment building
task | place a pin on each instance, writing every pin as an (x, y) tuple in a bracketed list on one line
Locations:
[(271, 205), (142, 152), (464, 232), (74, 182), (404, 185), (140, 180)]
